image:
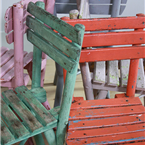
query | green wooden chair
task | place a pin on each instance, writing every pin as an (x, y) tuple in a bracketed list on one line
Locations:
[(22, 114)]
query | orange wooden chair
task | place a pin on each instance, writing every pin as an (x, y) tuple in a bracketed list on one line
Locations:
[(110, 121)]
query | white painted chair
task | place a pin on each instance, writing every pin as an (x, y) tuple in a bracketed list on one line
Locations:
[(115, 77)]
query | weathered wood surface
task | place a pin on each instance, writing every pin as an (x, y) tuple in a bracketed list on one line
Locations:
[(41, 113), (55, 39), (53, 22), (50, 50), (19, 107), (127, 126), (14, 124), (6, 135), (13, 130)]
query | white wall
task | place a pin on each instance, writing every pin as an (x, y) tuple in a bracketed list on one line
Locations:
[(133, 7)]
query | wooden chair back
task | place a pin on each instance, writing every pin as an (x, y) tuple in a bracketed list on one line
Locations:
[(65, 53), (134, 36)]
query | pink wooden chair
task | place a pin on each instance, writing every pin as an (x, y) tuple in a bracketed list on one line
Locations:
[(14, 61)]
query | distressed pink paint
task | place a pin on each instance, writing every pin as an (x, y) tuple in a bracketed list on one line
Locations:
[(18, 43)]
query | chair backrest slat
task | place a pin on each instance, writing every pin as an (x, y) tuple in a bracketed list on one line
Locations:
[(55, 23), (121, 38), (66, 62), (55, 39), (117, 53), (110, 24)]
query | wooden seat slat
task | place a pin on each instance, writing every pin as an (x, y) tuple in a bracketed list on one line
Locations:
[(20, 108), (106, 122), (3, 50), (120, 138), (107, 131), (110, 24), (40, 111), (10, 74), (14, 124), (105, 112), (66, 62), (105, 103), (6, 67), (6, 135), (7, 56)]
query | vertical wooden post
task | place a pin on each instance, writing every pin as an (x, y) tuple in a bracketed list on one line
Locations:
[(83, 6), (18, 43), (67, 98), (133, 71)]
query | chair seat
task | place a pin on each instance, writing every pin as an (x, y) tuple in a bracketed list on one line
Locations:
[(108, 121), (7, 64), (24, 116)]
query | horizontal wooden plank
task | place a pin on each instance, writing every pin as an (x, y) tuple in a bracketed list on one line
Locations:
[(6, 67), (3, 50), (53, 38), (115, 88), (108, 131), (120, 138), (94, 9), (55, 23), (7, 56), (98, 24), (135, 143), (106, 103), (6, 135), (90, 1), (10, 74), (115, 53), (14, 124), (105, 112), (40, 111), (107, 39), (9, 14), (10, 37), (106, 122), (20, 108), (64, 61), (9, 26)]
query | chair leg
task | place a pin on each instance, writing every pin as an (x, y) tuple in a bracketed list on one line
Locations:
[(29, 142), (108, 95), (42, 77), (23, 142), (39, 139), (55, 78), (102, 94), (59, 88), (50, 136)]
